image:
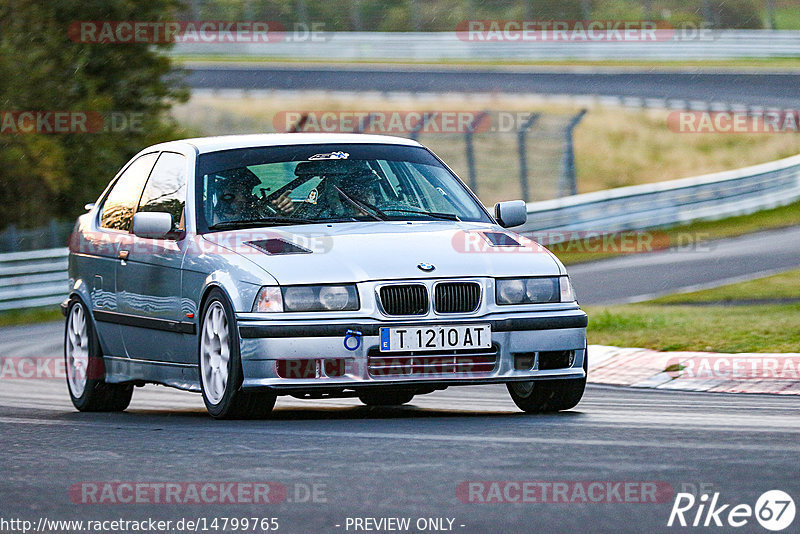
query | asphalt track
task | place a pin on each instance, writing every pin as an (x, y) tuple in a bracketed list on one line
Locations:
[(693, 263), (768, 89), (410, 461), (404, 462)]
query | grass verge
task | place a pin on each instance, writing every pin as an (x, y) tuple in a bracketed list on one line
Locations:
[(661, 325), (33, 315)]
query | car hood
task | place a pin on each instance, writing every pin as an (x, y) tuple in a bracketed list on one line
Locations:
[(361, 251)]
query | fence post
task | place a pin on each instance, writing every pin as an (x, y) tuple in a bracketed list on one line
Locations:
[(415, 131), (569, 183), (298, 126), (366, 126), (523, 154), (470, 151)]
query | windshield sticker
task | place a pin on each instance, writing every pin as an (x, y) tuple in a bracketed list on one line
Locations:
[(330, 155)]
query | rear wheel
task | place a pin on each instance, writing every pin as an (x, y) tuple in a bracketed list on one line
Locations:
[(85, 368), (221, 367), (385, 398), (539, 396)]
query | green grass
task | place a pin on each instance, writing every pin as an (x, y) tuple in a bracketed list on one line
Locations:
[(787, 18), (33, 315), (697, 232), (660, 325), (772, 328)]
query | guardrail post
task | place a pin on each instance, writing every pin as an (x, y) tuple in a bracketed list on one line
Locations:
[(771, 15), (470, 151), (53, 230), (12, 237), (569, 182), (523, 154)]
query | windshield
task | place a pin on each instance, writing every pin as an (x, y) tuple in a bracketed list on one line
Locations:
[(328, 183)]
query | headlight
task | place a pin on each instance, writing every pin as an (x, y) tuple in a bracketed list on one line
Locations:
[(533, 290), (510, 291), (268, 300), (320, 298)]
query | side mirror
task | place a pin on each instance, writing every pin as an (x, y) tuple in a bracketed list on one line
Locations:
[(152, 224), (511, 213)]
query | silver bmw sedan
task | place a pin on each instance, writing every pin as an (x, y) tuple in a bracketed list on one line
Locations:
[(312, 265)]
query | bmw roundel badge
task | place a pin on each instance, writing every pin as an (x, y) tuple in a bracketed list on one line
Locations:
[(426, 267)]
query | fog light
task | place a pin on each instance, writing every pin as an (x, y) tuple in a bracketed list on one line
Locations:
[(297, 368), (556, 359), (523, 361)]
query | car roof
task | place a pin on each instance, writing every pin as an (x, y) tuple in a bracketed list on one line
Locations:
[(227, 142)]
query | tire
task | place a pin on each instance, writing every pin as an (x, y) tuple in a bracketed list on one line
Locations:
[(85, 368), (385, 398), (220, 365), (542, 396)]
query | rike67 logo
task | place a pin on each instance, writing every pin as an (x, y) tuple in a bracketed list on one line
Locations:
[(774, 510)]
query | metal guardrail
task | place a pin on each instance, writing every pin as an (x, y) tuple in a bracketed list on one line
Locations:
[(33, 278), (39, 277), (707, 197), (433, 46)]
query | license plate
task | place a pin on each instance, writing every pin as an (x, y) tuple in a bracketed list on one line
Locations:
[(435, 338)]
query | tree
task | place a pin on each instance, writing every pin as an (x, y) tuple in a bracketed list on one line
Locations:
[(46, 175)]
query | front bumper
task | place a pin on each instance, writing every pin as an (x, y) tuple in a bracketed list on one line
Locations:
[(264, 343)]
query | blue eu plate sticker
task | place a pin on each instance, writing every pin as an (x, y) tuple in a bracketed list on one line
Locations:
[(385, 345)]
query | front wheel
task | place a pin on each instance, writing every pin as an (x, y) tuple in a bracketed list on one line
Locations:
[(221, 367), (540, 396), (85, 368)]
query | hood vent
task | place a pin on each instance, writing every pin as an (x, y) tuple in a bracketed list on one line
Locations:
[(277, 247), (499, 239)]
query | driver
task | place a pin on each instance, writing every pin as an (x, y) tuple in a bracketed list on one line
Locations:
[(236, 200)]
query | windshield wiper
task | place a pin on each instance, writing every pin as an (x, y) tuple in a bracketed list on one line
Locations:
[(434, 214), (265, 221), (364, 207)]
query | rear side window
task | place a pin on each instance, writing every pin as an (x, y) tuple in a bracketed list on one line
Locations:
[(121, 201), (166, 189)]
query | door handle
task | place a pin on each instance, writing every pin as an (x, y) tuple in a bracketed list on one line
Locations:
[(123, 255)]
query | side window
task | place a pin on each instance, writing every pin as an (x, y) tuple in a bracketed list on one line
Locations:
[(121, 201), (166, 189)]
